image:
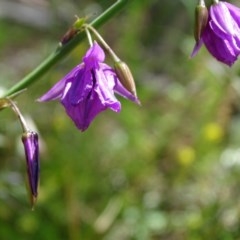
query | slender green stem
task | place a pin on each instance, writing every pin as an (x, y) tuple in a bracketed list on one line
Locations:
[(89, 37), (63, 51)]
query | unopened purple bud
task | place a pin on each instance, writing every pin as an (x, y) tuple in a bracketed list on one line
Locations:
[(30, 142)]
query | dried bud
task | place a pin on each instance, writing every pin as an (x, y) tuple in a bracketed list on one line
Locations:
[(73, 31), (30, 142), (125, 76), (201, 18)]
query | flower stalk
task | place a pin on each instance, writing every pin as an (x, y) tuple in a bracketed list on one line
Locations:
[(103, 42), (89, 37), (19, 115)]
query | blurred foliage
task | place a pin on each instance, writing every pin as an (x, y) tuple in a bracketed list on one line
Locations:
[(166, 170)]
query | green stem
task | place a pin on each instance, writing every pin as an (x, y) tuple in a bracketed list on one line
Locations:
[(56, 56)]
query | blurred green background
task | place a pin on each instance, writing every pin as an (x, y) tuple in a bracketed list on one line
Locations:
[(166, 170)]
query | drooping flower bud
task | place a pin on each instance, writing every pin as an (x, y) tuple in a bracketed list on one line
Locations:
[(221, 35), (89, 88), (125, 76), (201, 18), (30, 142)]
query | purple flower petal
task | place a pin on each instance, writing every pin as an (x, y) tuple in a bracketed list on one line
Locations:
[(220, 49), (94, 56), (222, 18), (56, 91), (196, 48), (81, 85), (104, 89), (99, 98), (83, 113), (234, 12)]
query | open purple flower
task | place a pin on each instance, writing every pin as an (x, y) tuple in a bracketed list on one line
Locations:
[(88, 89), (221, 35), (30, 142)]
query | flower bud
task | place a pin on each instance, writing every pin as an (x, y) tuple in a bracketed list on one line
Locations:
[(125, 76), (201, 18), (70, 34), (73, 31), (30, 142)]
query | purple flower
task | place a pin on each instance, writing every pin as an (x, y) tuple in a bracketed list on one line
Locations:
[(30, 142), (88, 89), (221, 35)]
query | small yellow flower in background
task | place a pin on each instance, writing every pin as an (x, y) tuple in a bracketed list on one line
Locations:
[(213, 132), (186, 155)]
